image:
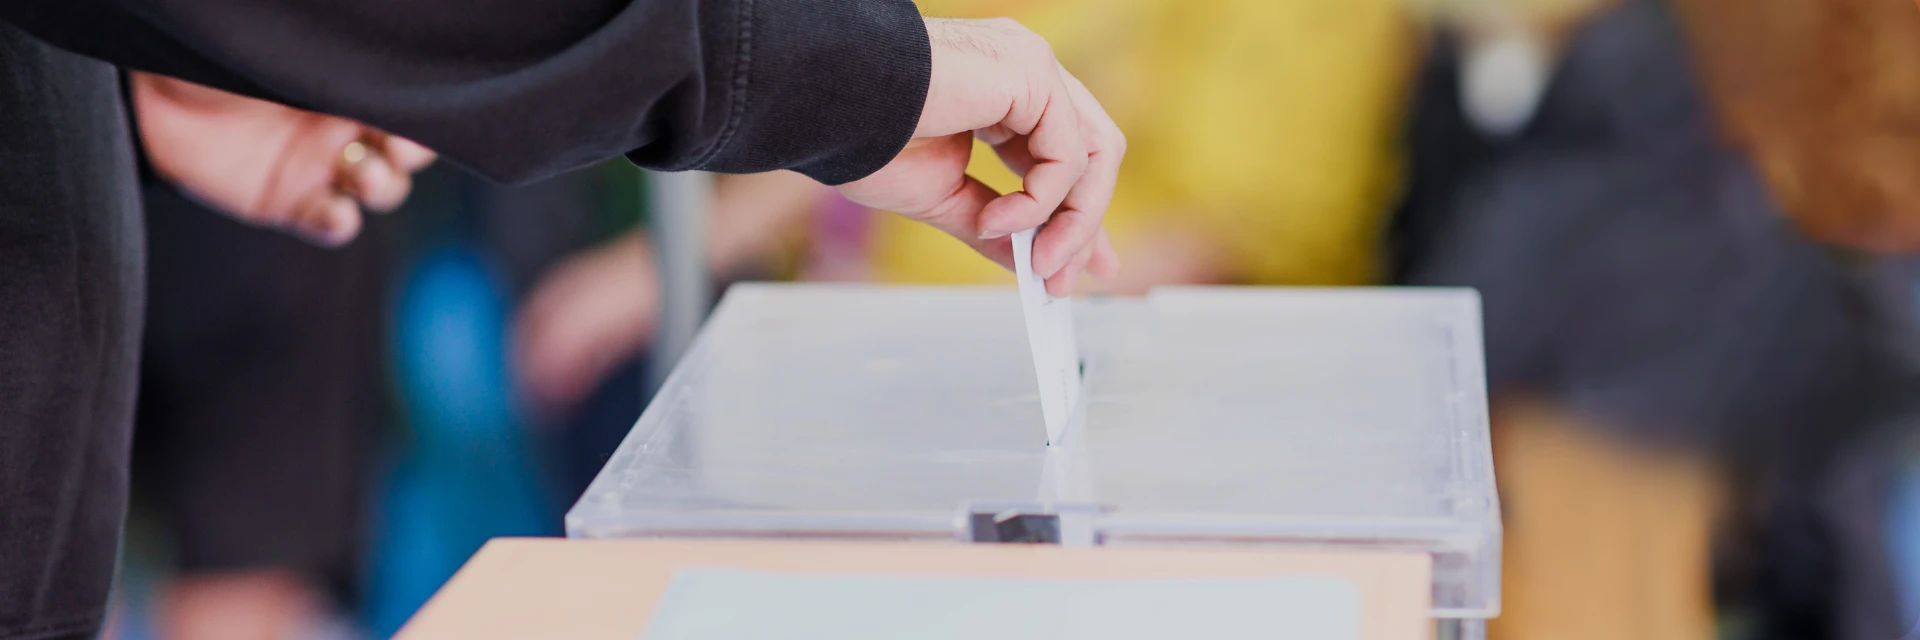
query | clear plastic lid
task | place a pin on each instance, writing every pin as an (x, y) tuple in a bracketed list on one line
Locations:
[(1351, 418)]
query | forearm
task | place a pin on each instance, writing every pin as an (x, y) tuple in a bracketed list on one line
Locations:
[(520, 89)]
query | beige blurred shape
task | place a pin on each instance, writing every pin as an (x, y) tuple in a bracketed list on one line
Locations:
[(1604, 539)]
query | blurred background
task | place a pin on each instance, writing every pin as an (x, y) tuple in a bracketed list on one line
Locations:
[(1701, 411)]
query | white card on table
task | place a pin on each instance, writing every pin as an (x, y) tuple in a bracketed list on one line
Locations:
[(1056, 354), (725, 604)]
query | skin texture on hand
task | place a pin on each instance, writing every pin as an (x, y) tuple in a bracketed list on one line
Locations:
[(997, 80), (272, 165)]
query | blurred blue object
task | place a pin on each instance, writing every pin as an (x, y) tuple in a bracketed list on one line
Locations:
[(1903, 528), (465, 475), (133, 595), (1904, 524)]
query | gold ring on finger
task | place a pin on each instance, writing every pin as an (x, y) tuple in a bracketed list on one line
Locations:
[(353, 154)]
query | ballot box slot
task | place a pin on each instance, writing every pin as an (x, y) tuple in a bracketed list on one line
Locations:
[(1069, 525)]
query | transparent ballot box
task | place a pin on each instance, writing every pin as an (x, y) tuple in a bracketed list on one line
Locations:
[(1338, 419)]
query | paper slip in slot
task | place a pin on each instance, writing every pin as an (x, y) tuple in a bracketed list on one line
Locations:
[(1056, 354)]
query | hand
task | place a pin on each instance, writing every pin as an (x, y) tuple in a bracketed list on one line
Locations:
[(586, 316), (600, 308), (269, 164), (997, 80)]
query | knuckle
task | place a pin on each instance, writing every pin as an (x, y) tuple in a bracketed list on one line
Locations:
[(1041, 45), (1026, 38), (1076, 163)]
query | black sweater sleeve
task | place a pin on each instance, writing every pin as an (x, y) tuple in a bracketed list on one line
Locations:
[(519, 89)]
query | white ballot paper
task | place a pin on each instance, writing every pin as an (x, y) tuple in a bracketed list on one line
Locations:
[(1056, 354)]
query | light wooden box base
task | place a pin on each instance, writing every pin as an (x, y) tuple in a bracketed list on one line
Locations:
[(606, 589)]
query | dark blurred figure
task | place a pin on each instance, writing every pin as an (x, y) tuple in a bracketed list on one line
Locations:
[(261, 392), (1645, 296)]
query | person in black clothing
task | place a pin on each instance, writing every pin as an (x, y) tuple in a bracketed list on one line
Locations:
[(863, 94)]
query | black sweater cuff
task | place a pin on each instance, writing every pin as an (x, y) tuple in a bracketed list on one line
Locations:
[(832, 88)]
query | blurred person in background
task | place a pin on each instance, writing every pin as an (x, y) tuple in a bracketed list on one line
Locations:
[(1823, 97), (595, 311), (1688, 391)]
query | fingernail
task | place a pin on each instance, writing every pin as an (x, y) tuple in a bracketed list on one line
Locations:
[(989, 234)]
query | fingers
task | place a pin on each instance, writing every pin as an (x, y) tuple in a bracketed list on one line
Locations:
[(1010, 147), (957, 215), (1072, 236), (374, 179), (325, 217), (1066, 234), (328, 213), (1063, 283), (376, 170), (373, 171), (1000, 83), (1105, 263), (1059, 157), (406, 155)]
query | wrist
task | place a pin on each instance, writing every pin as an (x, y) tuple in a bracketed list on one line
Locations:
[(830, 88)]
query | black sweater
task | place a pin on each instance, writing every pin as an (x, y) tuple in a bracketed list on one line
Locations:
[(520, 89)]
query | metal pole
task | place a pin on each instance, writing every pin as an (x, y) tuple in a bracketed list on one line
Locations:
[(678, 205)]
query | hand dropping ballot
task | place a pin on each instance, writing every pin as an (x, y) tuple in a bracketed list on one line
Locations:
[(1056, 354)]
